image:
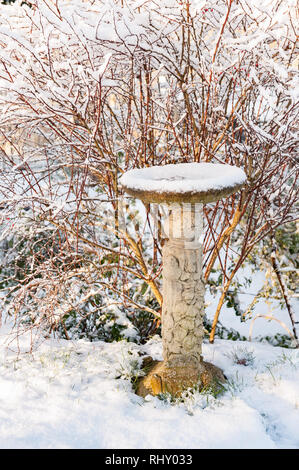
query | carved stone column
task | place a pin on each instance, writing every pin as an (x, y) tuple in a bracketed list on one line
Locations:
[(183, 308), (183, 289)]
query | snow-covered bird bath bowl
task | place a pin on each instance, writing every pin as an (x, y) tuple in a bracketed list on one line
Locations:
[(183, 188)]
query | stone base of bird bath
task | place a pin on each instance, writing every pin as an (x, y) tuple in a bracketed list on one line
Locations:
[(164, 378), (183, 188)]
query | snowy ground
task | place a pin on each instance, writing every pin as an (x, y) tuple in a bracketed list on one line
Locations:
[(79, 395)]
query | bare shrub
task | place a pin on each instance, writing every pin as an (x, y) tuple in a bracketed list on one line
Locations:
[(91, 89)]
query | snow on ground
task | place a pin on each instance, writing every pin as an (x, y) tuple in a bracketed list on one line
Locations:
[(77, 394)]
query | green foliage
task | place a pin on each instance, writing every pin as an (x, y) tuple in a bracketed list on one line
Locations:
[(92, 327), (287, 238), (146, 324), (242, 356), (280, 340), (224, 332), (9, 2)]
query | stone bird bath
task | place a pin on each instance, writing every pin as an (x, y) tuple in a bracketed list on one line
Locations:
[(183, 188)]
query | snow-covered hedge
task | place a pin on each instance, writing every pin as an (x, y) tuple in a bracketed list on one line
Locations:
[(91, 89)]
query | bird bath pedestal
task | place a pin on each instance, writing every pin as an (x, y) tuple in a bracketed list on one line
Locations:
[(184, 188)]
